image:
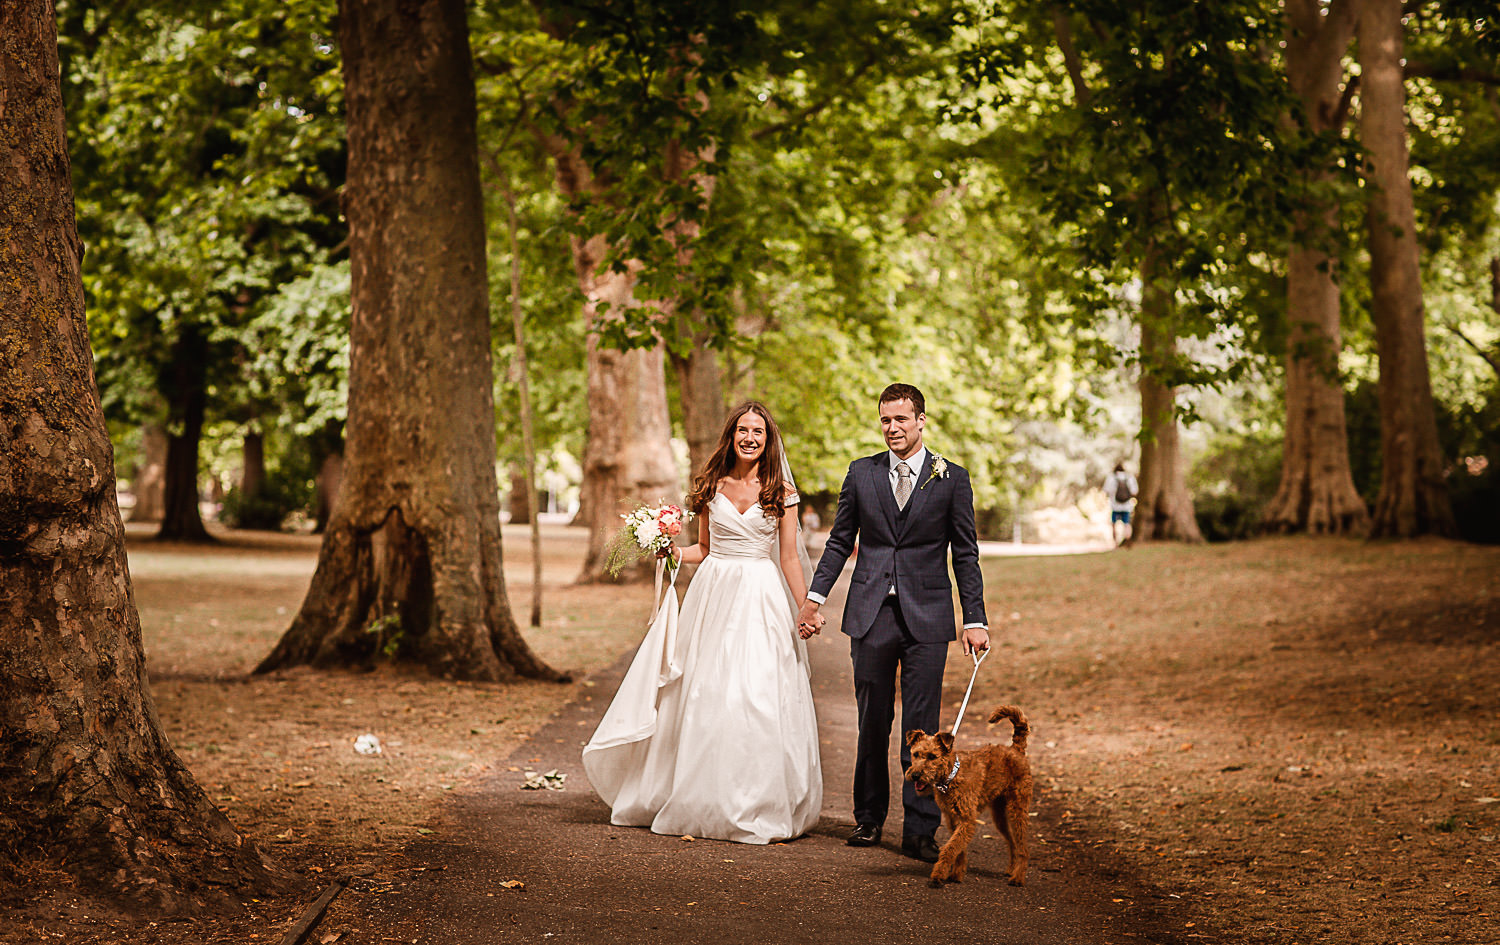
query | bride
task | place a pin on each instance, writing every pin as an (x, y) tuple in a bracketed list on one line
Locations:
[(712, 732)]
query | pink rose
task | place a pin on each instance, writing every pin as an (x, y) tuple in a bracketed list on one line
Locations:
[(674, 529)]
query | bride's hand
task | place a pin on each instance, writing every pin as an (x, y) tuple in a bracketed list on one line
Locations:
[(671, 551)]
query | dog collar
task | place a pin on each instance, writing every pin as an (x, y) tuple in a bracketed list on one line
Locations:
[(947, 782)]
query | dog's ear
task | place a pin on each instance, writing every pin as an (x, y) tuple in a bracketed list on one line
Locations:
[(946, 740), (914, 734)]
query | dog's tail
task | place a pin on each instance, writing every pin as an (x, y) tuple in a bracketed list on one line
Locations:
[(1017, 719)]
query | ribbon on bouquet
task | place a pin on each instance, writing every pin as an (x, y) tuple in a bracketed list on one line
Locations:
[(656, 595), (962, 708)]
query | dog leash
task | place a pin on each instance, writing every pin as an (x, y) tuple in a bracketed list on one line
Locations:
[(961, 709), (946, 783)]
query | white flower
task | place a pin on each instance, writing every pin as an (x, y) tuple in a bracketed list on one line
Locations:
[(646, 534), (939, 469)]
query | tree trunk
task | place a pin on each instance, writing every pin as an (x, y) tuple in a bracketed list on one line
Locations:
[(700, 385), (1316, 493), (88, 783), (527, 481), (627, 453), (410, 565), (627, 456), (150, 475), (1164, 506), (186, 391), (253, 465), (1413, 498), (520, 494), (328, 445)]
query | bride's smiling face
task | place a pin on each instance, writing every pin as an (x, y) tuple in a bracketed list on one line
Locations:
[(749, 437)]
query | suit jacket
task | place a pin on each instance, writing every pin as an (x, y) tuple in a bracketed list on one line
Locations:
[(909, 551)]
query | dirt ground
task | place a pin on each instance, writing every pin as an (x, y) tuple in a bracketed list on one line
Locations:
[(1295, 738), (1298, 734)]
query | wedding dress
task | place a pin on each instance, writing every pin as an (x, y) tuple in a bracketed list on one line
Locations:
[(712, 733)]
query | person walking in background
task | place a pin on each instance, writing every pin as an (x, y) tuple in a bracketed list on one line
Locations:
[(1121, 488)]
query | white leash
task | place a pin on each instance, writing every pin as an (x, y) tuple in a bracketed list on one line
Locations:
[(962, 708)]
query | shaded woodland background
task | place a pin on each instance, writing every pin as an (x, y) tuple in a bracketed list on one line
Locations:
[(1023, 213), (366, 267)]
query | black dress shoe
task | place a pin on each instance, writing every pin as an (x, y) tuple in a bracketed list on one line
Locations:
[(920, 848), (864, 835)]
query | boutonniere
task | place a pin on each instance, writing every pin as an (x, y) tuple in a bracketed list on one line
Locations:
[(939, 469)]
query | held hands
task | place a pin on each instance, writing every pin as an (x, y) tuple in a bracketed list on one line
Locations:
[(976, 639), (809, 621)]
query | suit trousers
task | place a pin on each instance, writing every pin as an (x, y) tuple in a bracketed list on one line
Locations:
[(877, 655)]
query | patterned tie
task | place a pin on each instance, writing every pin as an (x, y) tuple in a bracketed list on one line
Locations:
[(903, 484)]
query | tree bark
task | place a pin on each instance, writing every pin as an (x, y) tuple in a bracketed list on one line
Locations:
[(700, 387), (253, 464), (150, 475), (520, 501), (1316, 493), (1164, 506), (330, 475), (523, 385), (186, 390), (88, 783), (410, 565), (627, 453), (1413, 498)]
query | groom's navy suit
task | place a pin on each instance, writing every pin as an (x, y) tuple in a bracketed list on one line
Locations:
[(905, 550)]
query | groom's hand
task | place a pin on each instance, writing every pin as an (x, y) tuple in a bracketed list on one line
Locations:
[(809, 621), (976, 639)]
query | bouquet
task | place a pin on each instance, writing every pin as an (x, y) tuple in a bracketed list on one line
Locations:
[(648, 530)]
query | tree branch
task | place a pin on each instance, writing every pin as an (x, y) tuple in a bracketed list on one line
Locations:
[(1071, 59), (1491, 359), (1416, 69)]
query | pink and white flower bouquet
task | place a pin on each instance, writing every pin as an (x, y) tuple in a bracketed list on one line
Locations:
[(648, 530)]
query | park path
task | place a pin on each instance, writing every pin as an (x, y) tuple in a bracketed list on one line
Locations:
[(586, 881)]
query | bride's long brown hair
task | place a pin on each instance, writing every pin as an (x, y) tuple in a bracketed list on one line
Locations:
[(721, 464)]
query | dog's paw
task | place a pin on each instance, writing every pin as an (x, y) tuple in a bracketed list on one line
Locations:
[(935, 883), (1018, 881)]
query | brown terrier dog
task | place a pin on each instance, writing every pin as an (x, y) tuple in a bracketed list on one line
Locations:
[(997, 775)]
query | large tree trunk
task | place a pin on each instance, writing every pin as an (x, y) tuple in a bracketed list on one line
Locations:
[(700, 386), (88, 784), (627, 456), (186, 391), (627, 453), (1164, 506), (1413, 497), (410, 564), (1316, 493), (151, 475)]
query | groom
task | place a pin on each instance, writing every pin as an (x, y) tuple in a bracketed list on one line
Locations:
[(907, 506)]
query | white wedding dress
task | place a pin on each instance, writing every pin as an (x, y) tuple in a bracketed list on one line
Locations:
[(712, 733)]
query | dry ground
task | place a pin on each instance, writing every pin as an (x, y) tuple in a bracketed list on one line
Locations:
[(276, 752), (1297, 737), (1300, 735)]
